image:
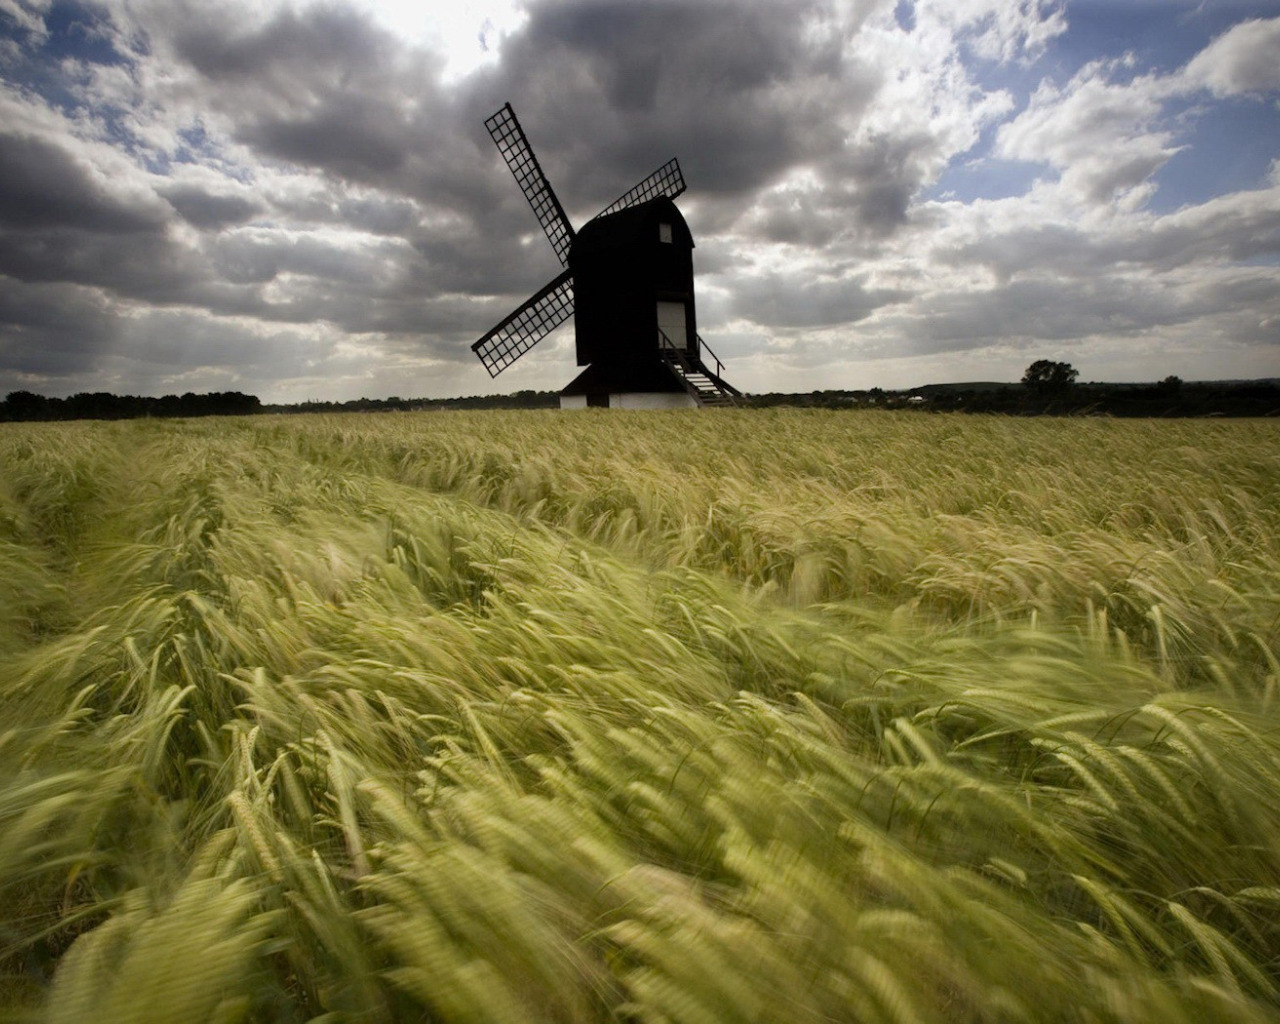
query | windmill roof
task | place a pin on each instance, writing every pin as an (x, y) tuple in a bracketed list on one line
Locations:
[(633, 224)]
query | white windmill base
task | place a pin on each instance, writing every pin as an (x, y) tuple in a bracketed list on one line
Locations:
[(636, 400), (667, 382)]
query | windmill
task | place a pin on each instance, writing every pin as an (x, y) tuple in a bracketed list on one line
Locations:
[(628, 283)]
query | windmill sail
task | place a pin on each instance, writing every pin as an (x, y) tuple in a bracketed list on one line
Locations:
[(527, 326), (665, 181), (627, 277), (516, 151)]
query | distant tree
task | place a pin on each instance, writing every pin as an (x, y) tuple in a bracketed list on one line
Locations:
[(1171, 385), (92, 405), (1046, 377), (25, 405)]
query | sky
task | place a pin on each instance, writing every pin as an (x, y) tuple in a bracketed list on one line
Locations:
[(300, 201)]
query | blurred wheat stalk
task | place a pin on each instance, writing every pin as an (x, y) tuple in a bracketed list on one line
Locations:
[(760, 716)]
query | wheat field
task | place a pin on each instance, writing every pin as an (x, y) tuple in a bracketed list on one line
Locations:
[(774, 715)]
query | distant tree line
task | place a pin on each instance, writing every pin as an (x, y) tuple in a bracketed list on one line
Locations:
[(516, 400), (1047, 389), (101, 405), (1042, 395), (1050, 388)]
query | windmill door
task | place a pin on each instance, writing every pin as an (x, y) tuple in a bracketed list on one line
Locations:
[(674, 324)]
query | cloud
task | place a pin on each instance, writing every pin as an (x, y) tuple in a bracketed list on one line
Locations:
[(296, 200), (802, 300), (998, 31), (209, 210), (1234, 229), (27, 15), (739, 93), (1105, 140), (46, 186), (51, 330), (1240, 61)]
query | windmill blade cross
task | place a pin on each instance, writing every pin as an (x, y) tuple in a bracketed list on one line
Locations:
[(665, 181), (541, 314), (516, 151)]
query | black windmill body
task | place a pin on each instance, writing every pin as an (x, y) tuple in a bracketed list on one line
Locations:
[(628, 283)]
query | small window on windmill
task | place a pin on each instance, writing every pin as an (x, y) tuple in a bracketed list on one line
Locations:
[(664, 232)]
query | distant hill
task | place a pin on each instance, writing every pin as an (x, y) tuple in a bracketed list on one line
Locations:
[(1168, 398), (997, 385), (972, 385)]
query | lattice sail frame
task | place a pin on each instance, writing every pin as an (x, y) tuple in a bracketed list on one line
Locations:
[(665, 181), (539, 316), (510, 139), (543, 312)]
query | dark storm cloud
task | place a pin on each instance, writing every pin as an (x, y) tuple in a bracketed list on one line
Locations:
[(288, 53), (740, 93), (150, 268), (63, 221), (167, 340), (44, 186), (51, 330), (458, 259), (355, 137), (209, 210), (862, 198), (606, 91), (375, 213), (635, 49), (257, 256), (885, 173), (151, 351), (324, 87)]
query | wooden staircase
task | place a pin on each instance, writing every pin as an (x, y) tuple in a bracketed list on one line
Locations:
[(705, 387)]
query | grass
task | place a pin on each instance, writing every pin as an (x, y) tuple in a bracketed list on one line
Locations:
[(760, 716)]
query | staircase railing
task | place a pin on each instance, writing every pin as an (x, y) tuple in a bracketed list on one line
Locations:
[(668, 348), (705, 349), (680, 357)]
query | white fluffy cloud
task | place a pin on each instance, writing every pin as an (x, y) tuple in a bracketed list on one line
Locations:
[(1104, 140), (1245, 59)]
